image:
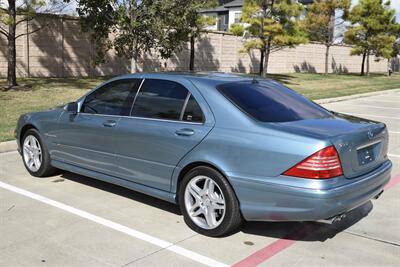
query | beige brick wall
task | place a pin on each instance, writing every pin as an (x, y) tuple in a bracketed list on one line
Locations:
[(60, 49)]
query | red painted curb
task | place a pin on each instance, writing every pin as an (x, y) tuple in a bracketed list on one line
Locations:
[(276, 247), (394, 181)]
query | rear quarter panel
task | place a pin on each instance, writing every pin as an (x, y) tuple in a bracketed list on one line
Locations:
[(242, 148), (251, 155)]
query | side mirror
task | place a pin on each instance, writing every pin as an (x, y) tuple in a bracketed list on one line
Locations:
[(71, 107)]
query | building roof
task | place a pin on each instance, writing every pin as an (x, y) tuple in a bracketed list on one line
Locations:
[(234, 3), (239, 3), (216, 9), (306, 2), (224, 7)]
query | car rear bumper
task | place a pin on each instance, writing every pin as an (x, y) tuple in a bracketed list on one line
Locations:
[(266, 201)]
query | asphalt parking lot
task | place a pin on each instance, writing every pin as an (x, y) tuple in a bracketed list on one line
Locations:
[(77, 221)]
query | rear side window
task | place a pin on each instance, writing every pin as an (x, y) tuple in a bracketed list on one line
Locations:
[(193, 111), (268, 102), (114, 98), (160, 99)]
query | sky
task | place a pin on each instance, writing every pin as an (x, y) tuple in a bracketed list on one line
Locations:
[(70, 9), (394, 3)]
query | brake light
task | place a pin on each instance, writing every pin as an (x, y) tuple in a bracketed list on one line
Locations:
[(323, 164)]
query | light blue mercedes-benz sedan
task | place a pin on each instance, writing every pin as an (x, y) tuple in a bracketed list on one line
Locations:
[(226, 148)]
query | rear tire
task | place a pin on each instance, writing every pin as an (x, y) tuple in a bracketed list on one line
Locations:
[(35, 155), (208, 202)]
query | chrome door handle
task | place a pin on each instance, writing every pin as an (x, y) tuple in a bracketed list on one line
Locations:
[(109, 123), (185, 132)]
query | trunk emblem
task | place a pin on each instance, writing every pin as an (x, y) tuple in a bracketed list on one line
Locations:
[(370, 134)]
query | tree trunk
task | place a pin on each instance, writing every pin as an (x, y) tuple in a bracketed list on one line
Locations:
[(363, 63), (134, 59), (267, 54), (133, 65), (329, 38), (261, 68), (12, 56), (191, 60), (367, 63), (326, 59)]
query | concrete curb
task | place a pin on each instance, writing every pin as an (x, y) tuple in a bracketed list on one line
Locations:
[(12, 145), (348, 97), (8, 146)]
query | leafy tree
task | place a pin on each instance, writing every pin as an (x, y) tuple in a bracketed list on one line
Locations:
[(321, 21), (273, 25), (131, 22), (172, 31), (372, 31), (196, 23), (396, 48), (395, 54), (133, 27), (393, 58), (12, 16), (236, 29)]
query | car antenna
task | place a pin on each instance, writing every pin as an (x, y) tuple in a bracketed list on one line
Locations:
[(254, 81)]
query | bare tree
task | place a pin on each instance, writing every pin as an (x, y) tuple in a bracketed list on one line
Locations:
[(13, 14)]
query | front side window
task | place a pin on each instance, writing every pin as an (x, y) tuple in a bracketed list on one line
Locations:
[(160, 99), (114, 98), (268, 102)]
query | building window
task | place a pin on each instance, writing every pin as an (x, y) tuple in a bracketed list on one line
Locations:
[(212, 18), (237, 17)]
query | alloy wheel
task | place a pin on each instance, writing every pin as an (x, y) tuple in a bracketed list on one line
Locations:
[(32, 153), (205, 202)]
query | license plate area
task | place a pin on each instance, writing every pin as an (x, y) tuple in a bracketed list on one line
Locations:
[(366, 155)]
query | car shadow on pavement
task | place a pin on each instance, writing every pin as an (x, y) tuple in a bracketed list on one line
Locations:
[(307, 231), (302, 231), (123, 192)]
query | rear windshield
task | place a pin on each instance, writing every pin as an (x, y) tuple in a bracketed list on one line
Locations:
[(268, 102)]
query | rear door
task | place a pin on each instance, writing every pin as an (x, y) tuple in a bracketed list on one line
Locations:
[(167, 121), (87, 139)]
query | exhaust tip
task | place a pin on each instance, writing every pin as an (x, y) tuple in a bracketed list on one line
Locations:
[(378, 195), (334, 219)]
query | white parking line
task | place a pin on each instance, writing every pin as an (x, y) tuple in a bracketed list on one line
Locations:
[(370, 115), (376, 100), (390, 96), (118, 227), (394, 132), (367, 106), (393, 155)]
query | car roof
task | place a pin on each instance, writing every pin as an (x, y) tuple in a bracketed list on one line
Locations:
[(211, 77)]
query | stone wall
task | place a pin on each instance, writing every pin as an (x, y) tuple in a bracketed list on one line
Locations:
[(60, 49)]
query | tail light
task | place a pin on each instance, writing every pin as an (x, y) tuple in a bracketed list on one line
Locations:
[(323, 164)]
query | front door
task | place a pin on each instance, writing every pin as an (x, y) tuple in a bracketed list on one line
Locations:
[(165, 124), (222, 23), (87, 139)]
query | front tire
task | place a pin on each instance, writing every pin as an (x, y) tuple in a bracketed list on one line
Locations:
[(208, 202), (35, 155)]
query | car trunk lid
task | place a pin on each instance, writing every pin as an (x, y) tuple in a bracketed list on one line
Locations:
[(362, 144)]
